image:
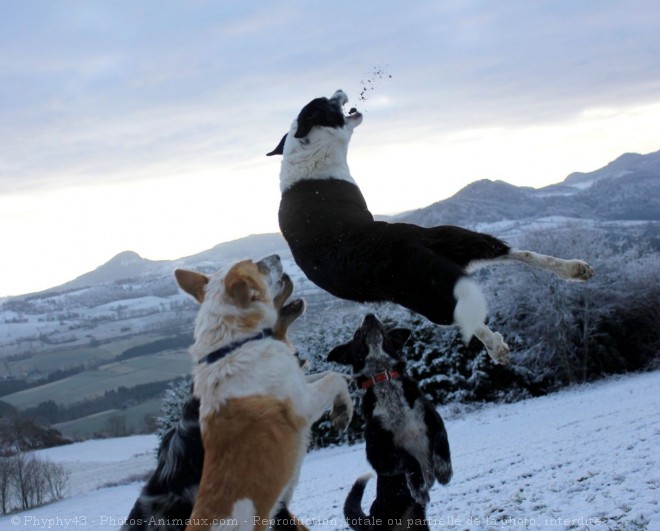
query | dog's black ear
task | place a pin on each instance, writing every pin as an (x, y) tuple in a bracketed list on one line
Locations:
[(340, 354), (279, 150), (305, 124), (399, 336), (306, 120)]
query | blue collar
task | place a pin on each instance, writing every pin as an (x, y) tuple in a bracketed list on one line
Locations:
[(227, 349)]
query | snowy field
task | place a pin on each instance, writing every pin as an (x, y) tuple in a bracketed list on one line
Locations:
[(586, 458)]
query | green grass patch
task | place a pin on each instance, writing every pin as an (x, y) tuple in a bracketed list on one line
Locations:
[(90, 384), (87, 427)]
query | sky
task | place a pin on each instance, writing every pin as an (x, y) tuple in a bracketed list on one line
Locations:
[(144, 125)]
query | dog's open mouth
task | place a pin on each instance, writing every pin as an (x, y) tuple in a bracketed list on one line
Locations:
[(353, 114), (341, 99)]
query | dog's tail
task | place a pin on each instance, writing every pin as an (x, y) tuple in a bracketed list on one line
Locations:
[(470, 310), (355, 517)]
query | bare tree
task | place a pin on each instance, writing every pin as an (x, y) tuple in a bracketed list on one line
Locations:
[(20, 479), (31, 481), (5, 483), (116, 426), (56, 478)]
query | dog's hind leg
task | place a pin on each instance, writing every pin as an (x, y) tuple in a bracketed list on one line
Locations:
[(565, 269), (281, 517), (470, 310), (388, 458), (497, 349)]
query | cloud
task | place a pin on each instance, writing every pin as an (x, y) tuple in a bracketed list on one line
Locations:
[(138, 96), (98, 90)]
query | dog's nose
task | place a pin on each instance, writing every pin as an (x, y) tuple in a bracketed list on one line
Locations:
[(271, 264), (369, 319), (340, 96), (273, 258)]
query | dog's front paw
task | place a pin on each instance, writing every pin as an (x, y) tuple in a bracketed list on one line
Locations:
[(341, 415), (577, 270), (498, 350), (419, 493), (583, 271), (292, 310)]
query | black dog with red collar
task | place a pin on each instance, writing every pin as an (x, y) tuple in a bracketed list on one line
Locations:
[(385, 376), (406, 440)]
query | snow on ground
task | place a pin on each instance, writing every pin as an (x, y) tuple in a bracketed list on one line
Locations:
[(97, 464), (585, 458)]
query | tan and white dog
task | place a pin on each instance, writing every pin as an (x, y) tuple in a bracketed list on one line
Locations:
[(257, 405)]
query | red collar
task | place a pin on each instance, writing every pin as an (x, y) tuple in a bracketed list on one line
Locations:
[(380, 378)]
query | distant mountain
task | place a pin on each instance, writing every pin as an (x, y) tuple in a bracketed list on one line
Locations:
[(123, 266), (130, 265), (254, 246), (479, 202), (626, 189), (626, 164)]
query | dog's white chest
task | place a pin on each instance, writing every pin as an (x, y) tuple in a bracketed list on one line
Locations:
[(405, 423)]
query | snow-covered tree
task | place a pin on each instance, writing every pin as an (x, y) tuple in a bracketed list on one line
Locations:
[(175, 396), (558, 331), (314, 341), (567, 327)]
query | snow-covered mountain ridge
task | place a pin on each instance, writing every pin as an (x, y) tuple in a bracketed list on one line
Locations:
[(626, 189)]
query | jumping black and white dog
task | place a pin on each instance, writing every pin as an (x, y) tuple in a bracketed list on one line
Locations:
[(406, 440), (338, 245)]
